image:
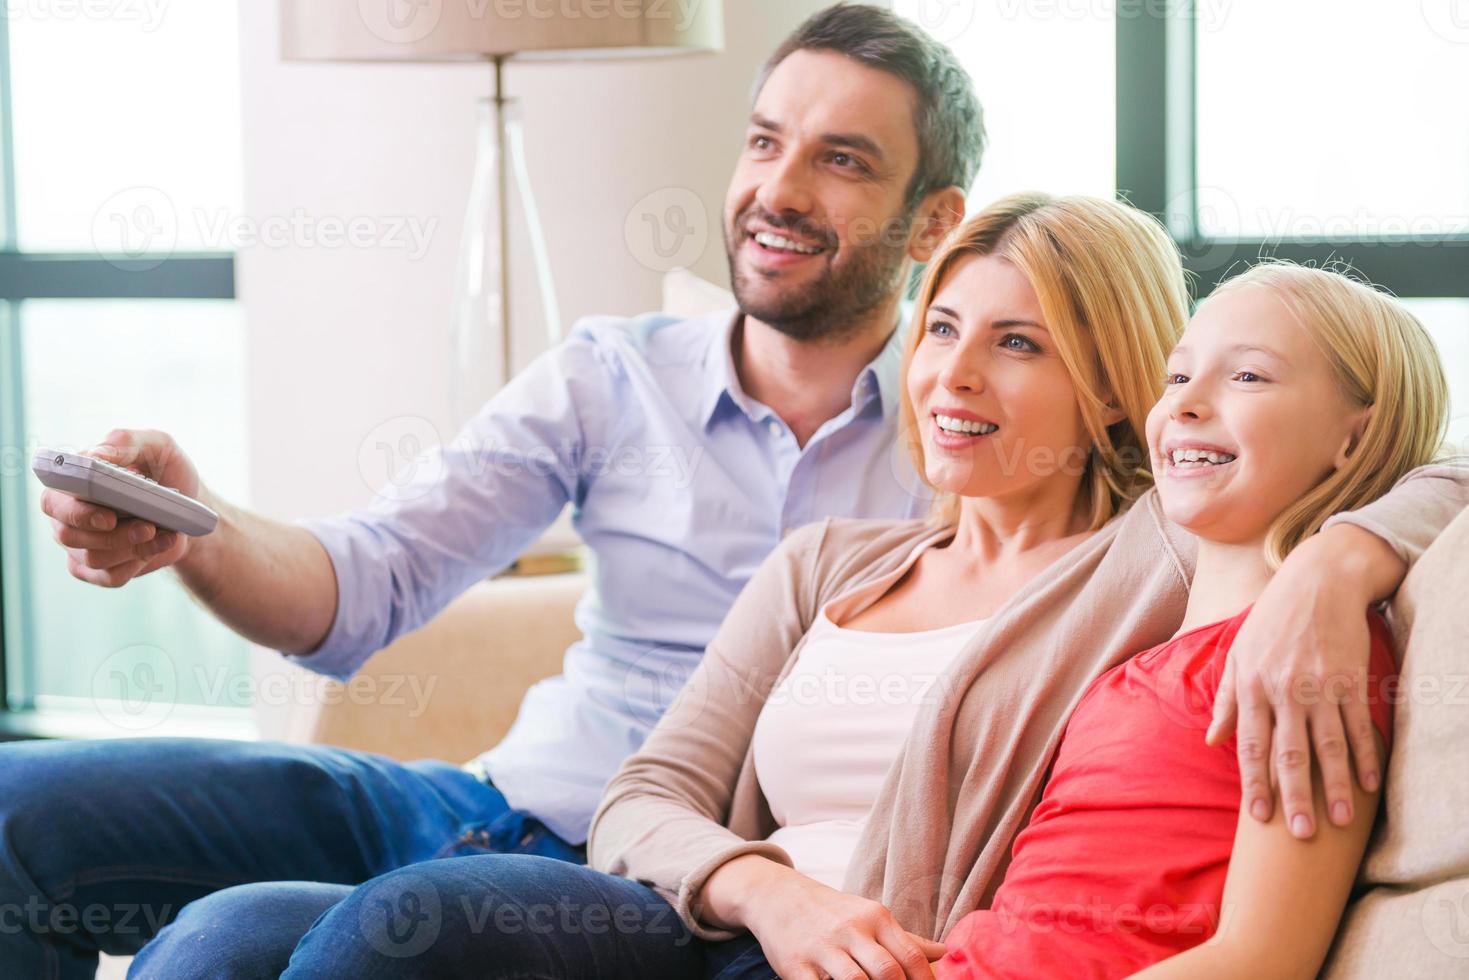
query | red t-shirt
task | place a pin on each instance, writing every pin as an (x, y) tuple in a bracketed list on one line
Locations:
[(1124, 860)]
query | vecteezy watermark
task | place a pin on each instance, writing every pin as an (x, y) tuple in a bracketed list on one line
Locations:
[(401, 914), (1445, 920), (1199, 919), (945, 20), (402, 459), (567, 917), (949, 20), (136, 687), (1449, 19), (410, 21), (139, 227), (1208, 15), (667, 229), (658, 686), (37, 917), (1286, 223), (224, 685), (147, 14), (1188, 706), (1220, 217)]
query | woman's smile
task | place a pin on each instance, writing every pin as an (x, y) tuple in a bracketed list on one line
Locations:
[(957, 429)]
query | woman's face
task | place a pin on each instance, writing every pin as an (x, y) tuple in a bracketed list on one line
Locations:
[(1251, 420), (996, 408)]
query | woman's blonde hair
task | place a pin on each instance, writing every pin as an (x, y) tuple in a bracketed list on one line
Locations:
[(1382, 357), (1112, 290)]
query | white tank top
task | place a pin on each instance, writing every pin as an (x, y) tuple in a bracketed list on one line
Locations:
[(832, 728)]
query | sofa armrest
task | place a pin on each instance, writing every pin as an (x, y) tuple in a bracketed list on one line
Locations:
[(451, 689)]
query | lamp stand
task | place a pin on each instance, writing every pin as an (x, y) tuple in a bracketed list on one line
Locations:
[(482, 347)]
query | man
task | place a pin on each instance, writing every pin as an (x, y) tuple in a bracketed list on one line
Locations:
[(687, 449)]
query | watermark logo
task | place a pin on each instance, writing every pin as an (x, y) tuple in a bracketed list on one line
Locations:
[(1449, 19), (1446, 923), (667, 229), (400, 21), (147, 14), (660, 684), (944, 20), (137, 228), (401, 915), (136, 687), (397, 461)]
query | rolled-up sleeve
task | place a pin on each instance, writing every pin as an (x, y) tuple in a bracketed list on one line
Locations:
[(1417, 509), (461, 512)]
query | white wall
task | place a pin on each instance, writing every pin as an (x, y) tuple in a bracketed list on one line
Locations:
[(351, 343)]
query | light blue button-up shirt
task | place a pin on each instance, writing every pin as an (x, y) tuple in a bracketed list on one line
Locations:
[(681, 484)]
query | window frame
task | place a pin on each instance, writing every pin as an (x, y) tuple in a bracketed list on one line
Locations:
[(1157, 126), (73, 275)]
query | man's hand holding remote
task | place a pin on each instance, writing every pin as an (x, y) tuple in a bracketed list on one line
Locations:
[(109, 549), (269, 581)]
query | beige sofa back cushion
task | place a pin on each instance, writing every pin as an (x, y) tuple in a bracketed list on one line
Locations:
[(1413, 918)]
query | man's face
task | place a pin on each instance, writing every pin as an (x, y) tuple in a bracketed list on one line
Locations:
[(816, 222)]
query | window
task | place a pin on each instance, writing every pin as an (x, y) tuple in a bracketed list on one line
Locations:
[(1332, 142), (1046, 132), (116, 309)]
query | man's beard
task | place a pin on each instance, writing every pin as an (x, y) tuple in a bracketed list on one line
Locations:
[(832, 306)]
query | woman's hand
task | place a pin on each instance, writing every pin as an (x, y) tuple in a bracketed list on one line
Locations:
[(1295, 682), (808, 930)]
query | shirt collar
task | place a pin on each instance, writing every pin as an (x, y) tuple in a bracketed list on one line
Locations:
[(877, 380), (885, 369), (721, 383)]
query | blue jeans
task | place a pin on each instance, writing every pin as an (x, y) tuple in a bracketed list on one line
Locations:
[(105, 844), (498, 917), (240, 859)]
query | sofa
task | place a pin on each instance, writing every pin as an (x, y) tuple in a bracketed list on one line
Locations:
[(1409, 919)]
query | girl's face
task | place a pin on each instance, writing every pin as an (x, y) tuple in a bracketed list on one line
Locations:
[(1251, 420), (995, 405)]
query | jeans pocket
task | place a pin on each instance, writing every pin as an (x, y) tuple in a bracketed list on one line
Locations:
[(511, 832), (482, 837)]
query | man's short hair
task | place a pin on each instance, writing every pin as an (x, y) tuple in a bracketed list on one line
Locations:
[(950, 122)]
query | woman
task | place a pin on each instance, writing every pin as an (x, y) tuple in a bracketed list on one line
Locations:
[(1295, 393), (1039, 349)]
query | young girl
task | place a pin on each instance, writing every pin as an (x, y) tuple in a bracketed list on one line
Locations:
[(1295, 393)]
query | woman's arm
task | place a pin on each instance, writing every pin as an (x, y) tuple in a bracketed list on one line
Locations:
[(1283, 899), (1306, 637), (662, 817)]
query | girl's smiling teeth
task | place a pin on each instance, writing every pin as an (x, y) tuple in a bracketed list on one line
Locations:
[(964, 427), (1195, 458)]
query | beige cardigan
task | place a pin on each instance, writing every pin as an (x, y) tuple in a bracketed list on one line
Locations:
[(939, 837)]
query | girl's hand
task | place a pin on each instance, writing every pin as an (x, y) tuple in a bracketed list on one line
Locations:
[(809, 931)]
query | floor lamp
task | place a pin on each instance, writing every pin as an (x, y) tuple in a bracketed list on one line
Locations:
[(492, 32)]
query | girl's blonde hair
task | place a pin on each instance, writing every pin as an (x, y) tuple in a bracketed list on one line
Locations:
[(1382, 357), (1112, 290)]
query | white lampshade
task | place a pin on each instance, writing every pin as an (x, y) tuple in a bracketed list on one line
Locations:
[(476, 30)]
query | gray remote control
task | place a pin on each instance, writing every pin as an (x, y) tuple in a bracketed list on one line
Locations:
[(99, 482)]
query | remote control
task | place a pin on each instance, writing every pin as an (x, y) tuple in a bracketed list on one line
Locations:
[(99, 482)]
